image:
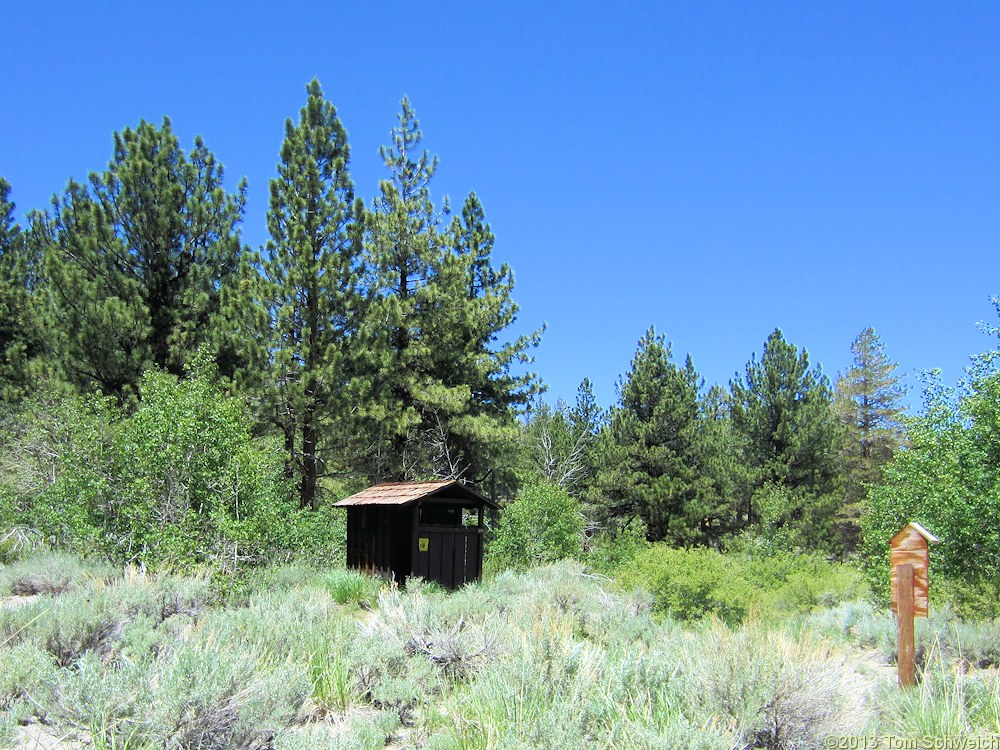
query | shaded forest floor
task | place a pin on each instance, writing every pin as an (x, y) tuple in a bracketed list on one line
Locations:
[(297, 657)]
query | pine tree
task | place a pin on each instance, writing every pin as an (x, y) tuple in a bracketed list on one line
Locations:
[(20, 340), (307, 290), (782, 412), (136, 258), (403, 251), (444, 395), (649, 455), (473, 307), (867, 401)]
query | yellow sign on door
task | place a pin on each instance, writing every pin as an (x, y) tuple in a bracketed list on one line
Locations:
[(422, 543)]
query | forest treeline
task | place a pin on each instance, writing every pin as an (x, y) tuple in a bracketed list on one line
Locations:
[(157, 374)]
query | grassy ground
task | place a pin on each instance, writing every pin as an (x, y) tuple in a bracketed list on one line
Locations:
[(298, 658)]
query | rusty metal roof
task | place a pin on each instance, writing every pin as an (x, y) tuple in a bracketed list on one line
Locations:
[(401, 493)]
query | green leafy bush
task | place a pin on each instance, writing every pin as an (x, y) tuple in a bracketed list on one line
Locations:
[(689, 584), (53, 467), (194, 484), (180, 480), (542, 525), (948, 479), (609, 550)]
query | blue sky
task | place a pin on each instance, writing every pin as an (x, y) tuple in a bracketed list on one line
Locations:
[(713, 169)]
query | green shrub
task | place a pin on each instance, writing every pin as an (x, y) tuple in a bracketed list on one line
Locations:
[(948, 479), (53, 460), (542, 525), (49, 573), (689, 584), (26, 674), (972, 599), (362, 733), (181, 480), (608, 551)]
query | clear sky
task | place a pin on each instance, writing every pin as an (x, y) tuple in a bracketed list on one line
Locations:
[(713, 169)]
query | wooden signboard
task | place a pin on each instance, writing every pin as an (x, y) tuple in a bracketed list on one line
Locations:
[(909, 557), (911, 547)]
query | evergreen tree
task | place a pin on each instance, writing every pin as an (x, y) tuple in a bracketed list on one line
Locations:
[(649, 456), (587, 416), (782, 413), (868, 403), (135, 259), (305, 293), (20, 341), (443, 395), (720, 459), (403, 251)]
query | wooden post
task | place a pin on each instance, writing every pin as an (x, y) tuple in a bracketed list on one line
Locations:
[(905, 652)]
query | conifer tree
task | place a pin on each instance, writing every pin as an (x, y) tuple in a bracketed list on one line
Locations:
[(867, 401), (649, 460), (444, 394), (305, 292), (403, 250), (135, 259), (20, 340), (782, 412)]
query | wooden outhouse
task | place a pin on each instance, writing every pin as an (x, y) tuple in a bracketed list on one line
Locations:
[(429, 529)]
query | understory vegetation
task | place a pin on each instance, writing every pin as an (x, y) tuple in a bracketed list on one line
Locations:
[(305, 657)]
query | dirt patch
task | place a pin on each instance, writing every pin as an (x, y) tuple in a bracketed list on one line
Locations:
[(12, 602), (38, 737)]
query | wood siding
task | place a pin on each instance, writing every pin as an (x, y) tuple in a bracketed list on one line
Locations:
[(454, 555)]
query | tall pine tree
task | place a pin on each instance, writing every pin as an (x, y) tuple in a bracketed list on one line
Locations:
[(649, 459), (868, 402), (20, 339), (782, 413), (303, 290), (135, 259), (443, 393)]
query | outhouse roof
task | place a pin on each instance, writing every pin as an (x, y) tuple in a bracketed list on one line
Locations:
[(402, 493)]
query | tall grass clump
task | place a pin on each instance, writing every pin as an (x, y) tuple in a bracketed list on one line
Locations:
[(352, 587), (945, 702)]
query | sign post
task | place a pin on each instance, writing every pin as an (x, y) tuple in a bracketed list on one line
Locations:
[(909, 558)]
